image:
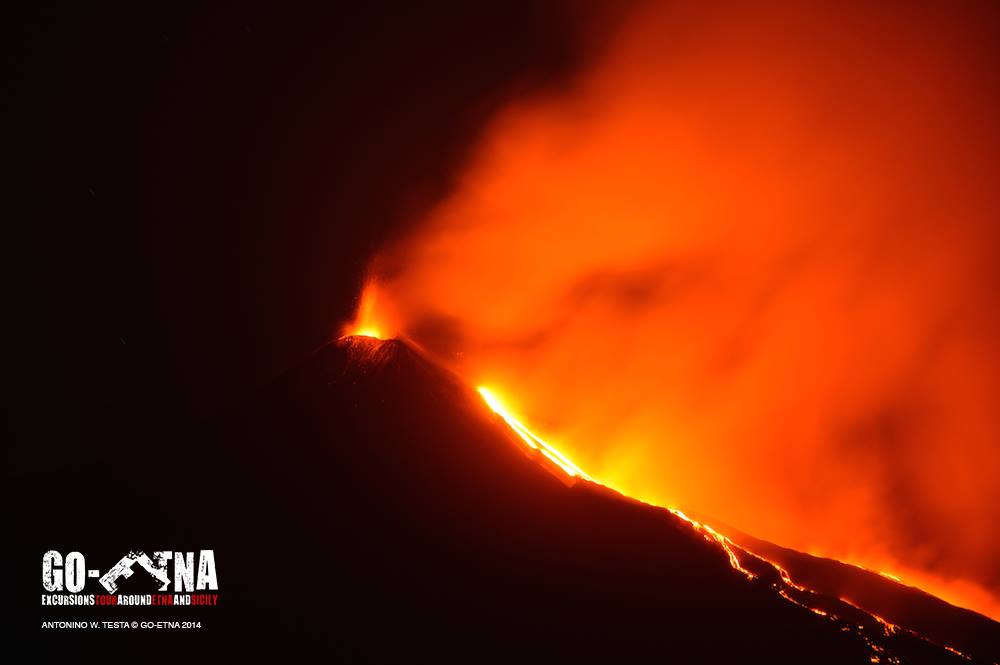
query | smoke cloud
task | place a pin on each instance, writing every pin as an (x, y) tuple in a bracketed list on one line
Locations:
[(747, 266)]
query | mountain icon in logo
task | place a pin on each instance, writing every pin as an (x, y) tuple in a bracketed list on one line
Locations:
[(123, 568)]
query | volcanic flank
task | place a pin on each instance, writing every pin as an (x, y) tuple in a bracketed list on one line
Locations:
[(440, 539), (376, 510)]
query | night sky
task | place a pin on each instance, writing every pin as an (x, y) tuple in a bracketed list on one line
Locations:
[(198, 192)]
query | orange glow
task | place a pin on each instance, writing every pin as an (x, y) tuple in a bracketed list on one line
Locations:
[(733, 552), (365, 324), (727, 545), (746, 263), (531, 440), (536, 443), (367, 332)]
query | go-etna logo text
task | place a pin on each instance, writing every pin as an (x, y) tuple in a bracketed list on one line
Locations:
[(65, 578)]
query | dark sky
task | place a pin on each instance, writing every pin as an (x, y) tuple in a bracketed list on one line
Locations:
[(198, 192)]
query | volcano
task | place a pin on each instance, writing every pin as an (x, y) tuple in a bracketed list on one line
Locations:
[(369, 506)]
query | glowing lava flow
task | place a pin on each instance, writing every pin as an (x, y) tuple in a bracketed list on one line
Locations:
[(784, 589), (712, 535), (572, 470), (533, 442)]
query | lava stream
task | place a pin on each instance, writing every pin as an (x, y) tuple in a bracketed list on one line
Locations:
[(733, 551)]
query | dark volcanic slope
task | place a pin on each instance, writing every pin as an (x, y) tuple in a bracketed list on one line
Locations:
[(369, 508), (903, 605)]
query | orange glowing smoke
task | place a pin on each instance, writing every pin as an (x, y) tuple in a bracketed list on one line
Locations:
[(747, 266)]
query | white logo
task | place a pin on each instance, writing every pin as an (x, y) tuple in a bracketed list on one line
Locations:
[(70, 574)]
